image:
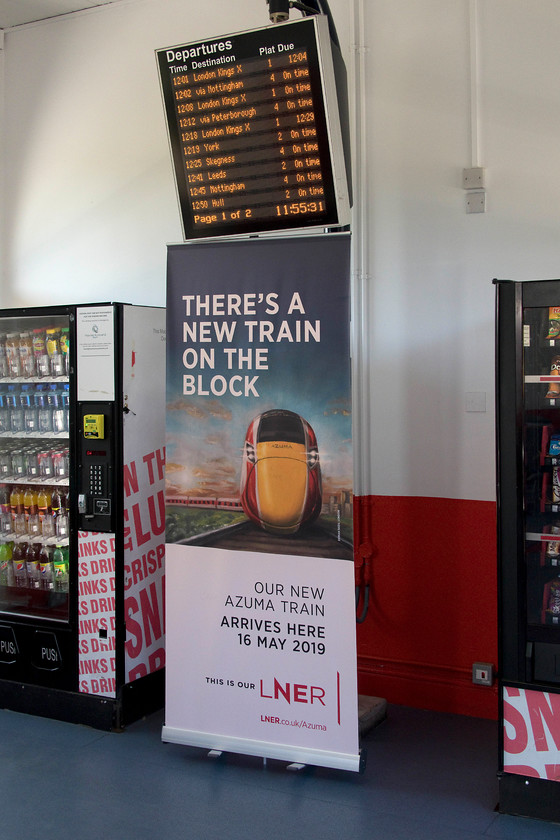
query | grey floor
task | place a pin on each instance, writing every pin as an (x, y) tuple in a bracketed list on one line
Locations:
[(429, 776)]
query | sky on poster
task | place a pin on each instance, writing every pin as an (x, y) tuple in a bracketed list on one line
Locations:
[(205, 430)]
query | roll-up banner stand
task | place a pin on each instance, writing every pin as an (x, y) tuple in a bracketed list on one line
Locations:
[(261, 639)]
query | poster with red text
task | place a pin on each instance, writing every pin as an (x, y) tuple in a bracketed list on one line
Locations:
[(144, 491), (531, 733), (261, 652), (96, 611)]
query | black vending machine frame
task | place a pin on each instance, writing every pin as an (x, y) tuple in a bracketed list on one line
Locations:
[(56, 693), (522, 647)]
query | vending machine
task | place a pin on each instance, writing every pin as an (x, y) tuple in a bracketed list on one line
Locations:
[(528, 453), (82, 511)]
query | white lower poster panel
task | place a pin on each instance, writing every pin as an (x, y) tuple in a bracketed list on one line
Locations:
[(531, 733), (261, 655)]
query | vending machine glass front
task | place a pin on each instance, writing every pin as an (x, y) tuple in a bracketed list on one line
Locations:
[(34, 465), (541, 464)]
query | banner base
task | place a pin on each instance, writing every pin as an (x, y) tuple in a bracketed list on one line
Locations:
[(265, 749)]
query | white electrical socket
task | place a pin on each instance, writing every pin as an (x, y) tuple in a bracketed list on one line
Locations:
[(473, 178), (476, 201), (482, 673)]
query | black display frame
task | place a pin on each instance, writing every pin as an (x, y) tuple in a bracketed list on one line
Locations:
[(527, 653), (283, 205)]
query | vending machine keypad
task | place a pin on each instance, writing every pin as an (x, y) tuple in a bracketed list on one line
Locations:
[(95, 473), (97, 483)]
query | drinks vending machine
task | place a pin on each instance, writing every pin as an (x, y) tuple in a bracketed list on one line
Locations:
[(528, 455), (82, 511)]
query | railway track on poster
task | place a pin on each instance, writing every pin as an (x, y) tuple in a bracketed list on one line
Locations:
[(310, 541)]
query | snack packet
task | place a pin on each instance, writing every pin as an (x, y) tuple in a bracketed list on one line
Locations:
[(552, 600), (555, 484), (553, 546), (553, 322), (554, 445), (554, 387)]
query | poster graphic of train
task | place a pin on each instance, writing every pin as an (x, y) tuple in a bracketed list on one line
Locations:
[(259, 426)]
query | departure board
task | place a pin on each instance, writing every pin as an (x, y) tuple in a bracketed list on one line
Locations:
[(254, 131)]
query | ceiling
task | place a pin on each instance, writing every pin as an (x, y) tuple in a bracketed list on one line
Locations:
[(18, 12)]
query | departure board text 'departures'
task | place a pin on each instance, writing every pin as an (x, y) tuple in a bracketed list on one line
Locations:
[(254, 131)]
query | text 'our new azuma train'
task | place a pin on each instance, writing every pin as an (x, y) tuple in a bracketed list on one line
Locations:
[(281, 474)]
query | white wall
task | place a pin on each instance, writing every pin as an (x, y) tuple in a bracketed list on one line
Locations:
[(89, 192), (3, 296), (432, 265), (89, 198)]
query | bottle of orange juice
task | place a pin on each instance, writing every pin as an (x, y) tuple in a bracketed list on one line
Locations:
[(16, 501), (44, 501), (30, 502)]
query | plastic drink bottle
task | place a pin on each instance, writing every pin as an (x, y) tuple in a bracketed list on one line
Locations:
[(17, 463), (44, 500), (5, 499), (16, 501), (3, 565), (65, 399), (57, 410), (4, 370), (33, 567), (34, 526), (65, 349), (60, 570), (53, 351), (12, 355), (26, 356), (42, 364), (6, 567), (46, 567), (56, 502), (44, 458), (19, 561), (5, 510), (30, 502), (5, 425), (32, 461), (44, 415), (15, 408), (20, 525), (30, 410), (53, 395)]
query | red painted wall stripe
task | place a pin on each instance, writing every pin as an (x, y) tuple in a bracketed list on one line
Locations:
[(433, 601)]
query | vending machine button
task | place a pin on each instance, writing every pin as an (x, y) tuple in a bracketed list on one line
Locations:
[(45, 654), (9, 651)]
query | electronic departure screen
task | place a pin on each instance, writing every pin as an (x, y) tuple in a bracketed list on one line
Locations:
[(255, 132)]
